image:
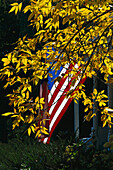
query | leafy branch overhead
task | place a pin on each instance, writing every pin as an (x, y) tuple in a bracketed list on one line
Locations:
[(67, 32), (16, 7)]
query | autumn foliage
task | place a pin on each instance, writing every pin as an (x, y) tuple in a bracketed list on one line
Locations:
[(70, 31)]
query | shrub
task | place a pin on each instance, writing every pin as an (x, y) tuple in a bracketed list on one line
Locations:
[(60, 154)]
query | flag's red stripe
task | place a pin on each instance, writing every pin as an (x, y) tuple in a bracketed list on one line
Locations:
[(60, 100), (58, 119), (61, 114)]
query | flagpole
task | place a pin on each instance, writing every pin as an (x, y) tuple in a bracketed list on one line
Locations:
[(76, 119)]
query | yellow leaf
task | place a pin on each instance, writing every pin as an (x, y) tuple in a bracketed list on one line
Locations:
[(86, 109), (93, 115), (66, 19), (37, 26), (41, 36), (12, 9), (24, 89), (14, 4), (42, 101), (38, 134), (102, 92), (16, 9), (109, 125), (48, 20), (24, 61), (104, 123), (95, 91), (109, 118), (25, 70), (23, 95), (33, 129), (101, 103), (44, 121), (48, 24), (26, 9), (22, 118), (14, 116), (29, 131), (44, 128), (6, 61), (37, 99), (20, 6), (30, 16), (103, 117), (29, 88), (14, 110), (44, 132), (49, 5), (7, 114), (50, 75), (27, 94)]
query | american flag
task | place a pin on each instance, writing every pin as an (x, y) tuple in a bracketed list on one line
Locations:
[(56, 102)]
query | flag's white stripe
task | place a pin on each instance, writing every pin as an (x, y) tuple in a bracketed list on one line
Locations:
[(56, 83), (59, 95), (52, 91), (61, 107), (61, 92), (56, 116), (45, 140), (57, 113)]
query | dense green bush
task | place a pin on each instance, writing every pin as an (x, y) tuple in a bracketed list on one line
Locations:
[(85, 158), (19, 154), (61, 154)]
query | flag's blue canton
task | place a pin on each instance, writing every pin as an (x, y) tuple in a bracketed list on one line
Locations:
[(51, 79)]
